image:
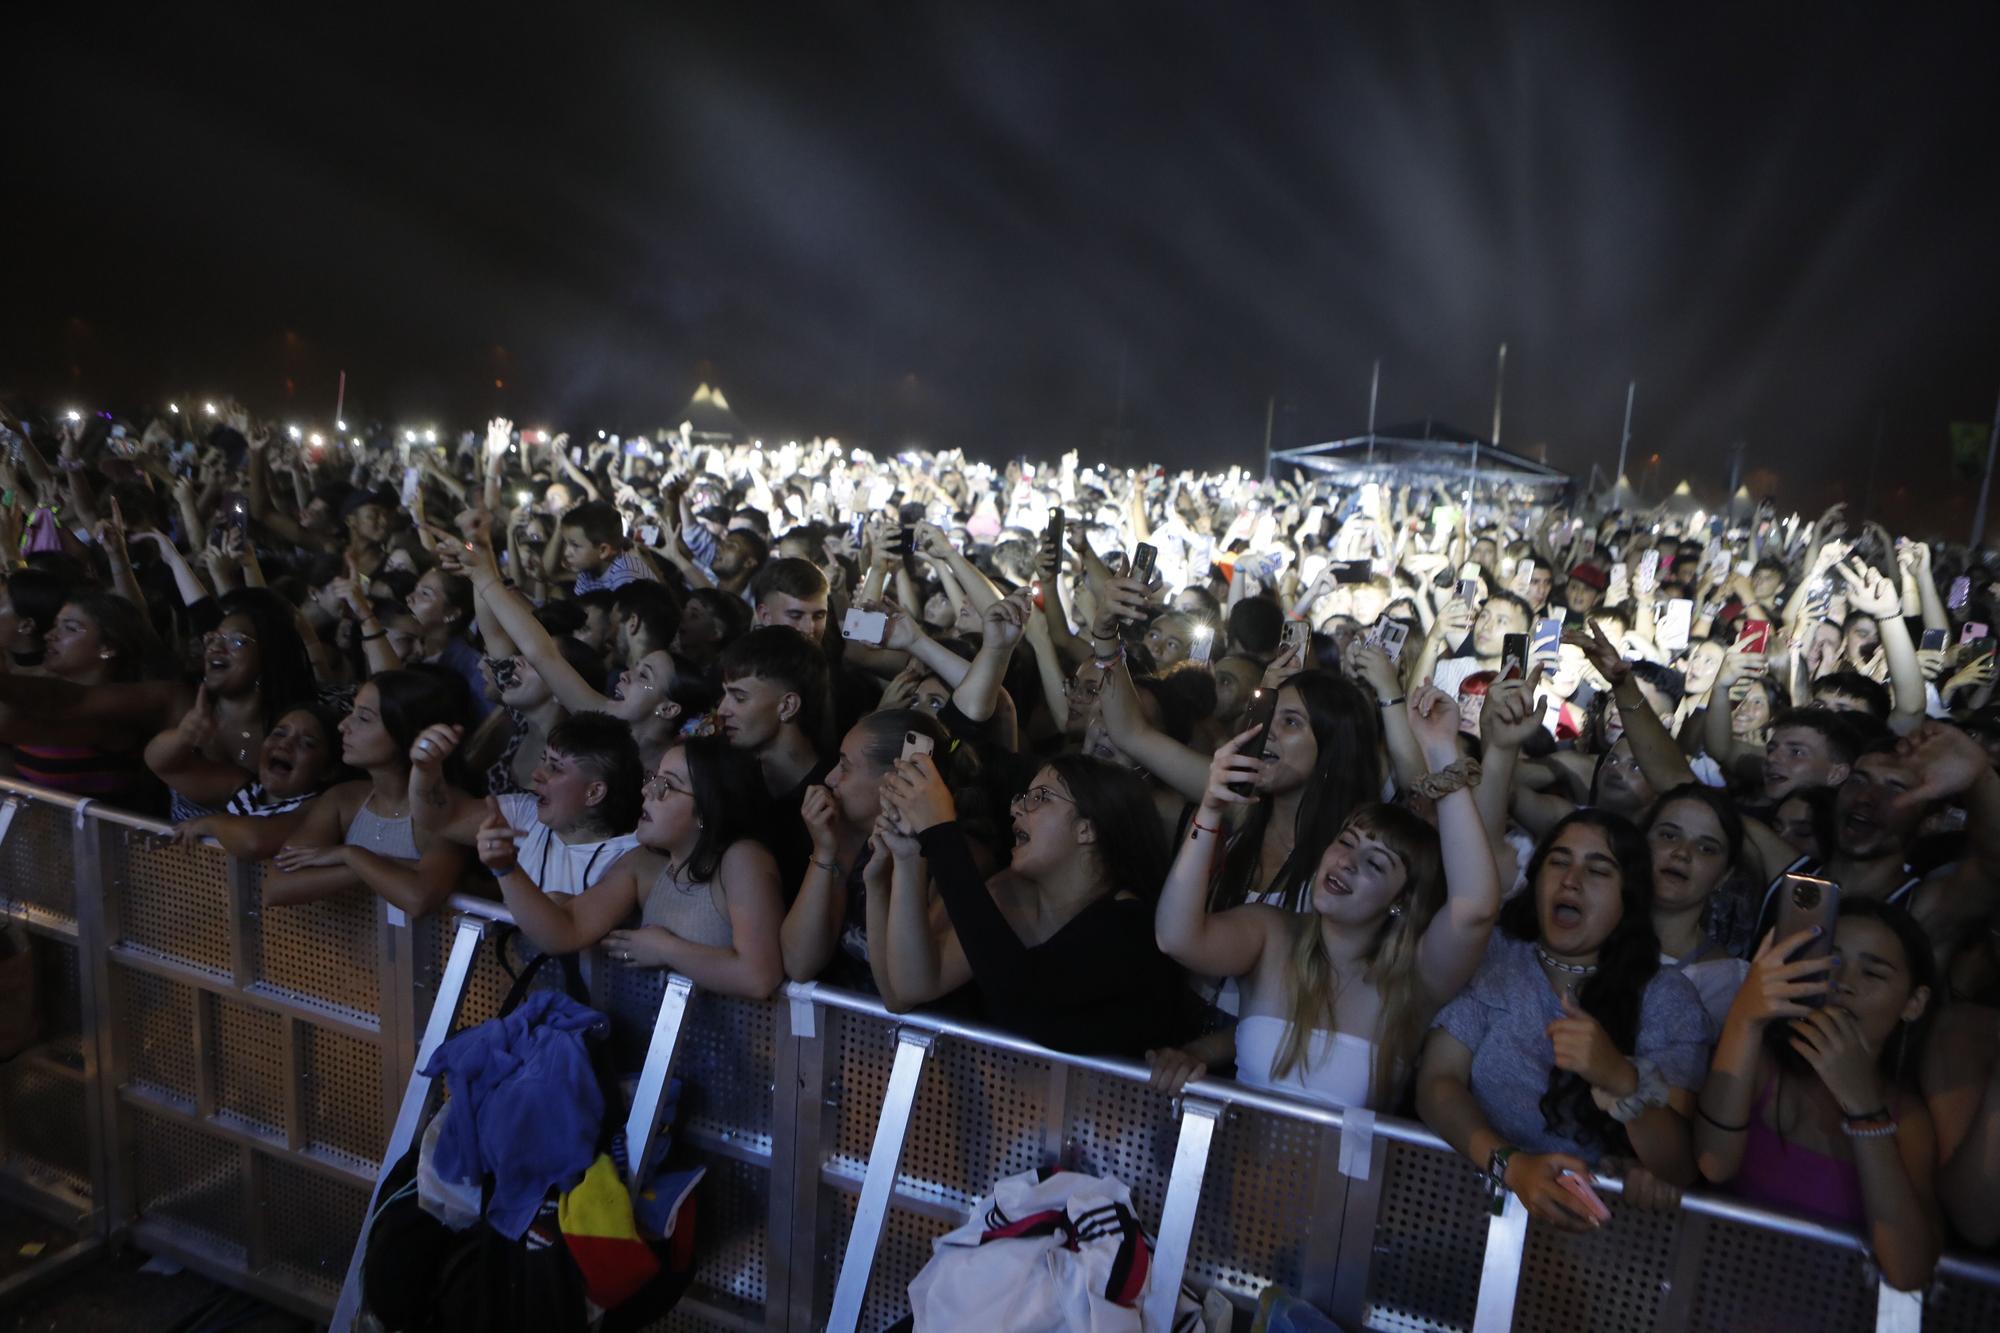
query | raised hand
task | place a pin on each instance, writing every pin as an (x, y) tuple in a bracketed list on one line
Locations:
[(918, 794), (433, 745), (1005, 620), (197, 725), (495, 842), (1231, 768), (1601, 652), (1946, 759), (821, 812), (1584, 1048), (1778, 984), (1831, 1041), (1869, 591), (1512, 713), (1434, 719)]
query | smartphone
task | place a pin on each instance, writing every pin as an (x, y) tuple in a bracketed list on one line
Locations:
[(857, 530), (916, 743), (1390, 635), (864, 626), (906, 542), (1257, 713), (1546, 646), (1649, 568), (1674, 624), (648, 534), (1204, 643), (1961, 593), (1973, 630), (1292, 643), (1144, 558), (1052, 536), (1580, 1189), (1351, 571), (1933, 640), (1818, 598), (1468, 591), (1513, 656), (1805, 901), (1754, 637)]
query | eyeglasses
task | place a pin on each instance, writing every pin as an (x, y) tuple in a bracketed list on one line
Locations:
[(236, 641), (1034, 798), (656, 789)]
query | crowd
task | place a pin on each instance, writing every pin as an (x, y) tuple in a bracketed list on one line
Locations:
[(1638, 841)]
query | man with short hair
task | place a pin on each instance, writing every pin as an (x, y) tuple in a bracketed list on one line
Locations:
[(774, 703), (792, 592), (648, 619), (1585, 589), (1851, 692)]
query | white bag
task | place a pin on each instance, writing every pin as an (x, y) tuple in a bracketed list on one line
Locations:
[(452, 1203), (1042, 1255)]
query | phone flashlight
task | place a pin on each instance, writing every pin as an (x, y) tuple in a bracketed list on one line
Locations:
[(430, 437), (523, 498), (292, 431), (73, 415), (409, 437), (208, 408), (318, 440), (340, 425), (175, 408)]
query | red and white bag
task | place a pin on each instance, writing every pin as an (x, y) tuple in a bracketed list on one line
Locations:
[(1048, 1251)]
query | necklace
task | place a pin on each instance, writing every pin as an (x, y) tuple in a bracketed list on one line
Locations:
[(1574, 969)]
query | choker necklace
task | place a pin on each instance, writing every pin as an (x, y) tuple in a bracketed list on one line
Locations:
[(1574, 969)]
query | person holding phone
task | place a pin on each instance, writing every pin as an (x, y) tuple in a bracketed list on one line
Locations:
[(1805, 1108), (1335, 997), (1572, 1043)]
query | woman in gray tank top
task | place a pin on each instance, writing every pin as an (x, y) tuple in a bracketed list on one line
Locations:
[(703, 891), (358, 835)]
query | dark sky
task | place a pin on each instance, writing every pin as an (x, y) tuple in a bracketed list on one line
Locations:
[(950, 223)]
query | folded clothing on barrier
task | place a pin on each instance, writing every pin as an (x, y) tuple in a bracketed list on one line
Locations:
[(1047, 1251)]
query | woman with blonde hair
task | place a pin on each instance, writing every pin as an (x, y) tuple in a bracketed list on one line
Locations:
[(1336, 998)]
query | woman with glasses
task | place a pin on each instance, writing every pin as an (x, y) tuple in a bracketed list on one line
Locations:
[(705, 891), (1059, 943), (254, 670)]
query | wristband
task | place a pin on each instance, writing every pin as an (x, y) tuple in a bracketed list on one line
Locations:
[(1873, 1129), (1198, 828), (1651, 1092), (1390, 703), (370, 638), (832, 867), (501, 872)]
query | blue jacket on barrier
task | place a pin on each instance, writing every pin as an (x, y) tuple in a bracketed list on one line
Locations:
[(526, 1106)]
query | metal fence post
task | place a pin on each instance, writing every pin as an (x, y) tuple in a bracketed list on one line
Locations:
[(913, 1046), (643, 1119), (1163, 1286), (1500, 1274), (798, 1106), (97, 929)]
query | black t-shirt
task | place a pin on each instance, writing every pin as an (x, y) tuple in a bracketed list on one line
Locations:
[(788, 839)]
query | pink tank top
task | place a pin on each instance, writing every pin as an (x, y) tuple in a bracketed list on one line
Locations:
[(1797, 1179)]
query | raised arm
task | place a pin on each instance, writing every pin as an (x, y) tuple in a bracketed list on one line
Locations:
[(1373, 665), (437, 808), (1002, 624), (1214, 944), (1180, 767), (1873, 593), (1653, 746), (1455, 940)]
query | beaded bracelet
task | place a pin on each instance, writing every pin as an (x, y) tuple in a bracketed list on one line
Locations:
[(1862, 1129)]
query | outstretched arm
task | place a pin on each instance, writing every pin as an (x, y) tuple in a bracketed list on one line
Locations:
[(1455, 940), (1215, 944)]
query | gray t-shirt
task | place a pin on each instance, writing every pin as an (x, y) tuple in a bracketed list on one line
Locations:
[(1503, 1019)]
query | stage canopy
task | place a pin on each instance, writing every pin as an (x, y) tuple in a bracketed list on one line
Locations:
[(1426, 451)]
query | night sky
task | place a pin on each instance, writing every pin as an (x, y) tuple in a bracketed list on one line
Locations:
[(953, 224)]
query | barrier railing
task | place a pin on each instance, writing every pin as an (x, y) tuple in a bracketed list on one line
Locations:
[(222, 1084)]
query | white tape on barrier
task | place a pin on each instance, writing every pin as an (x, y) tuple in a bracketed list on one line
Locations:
[(1357, 1142)]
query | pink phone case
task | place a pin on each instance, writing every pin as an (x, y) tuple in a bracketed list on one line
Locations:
[(1587, 1196)]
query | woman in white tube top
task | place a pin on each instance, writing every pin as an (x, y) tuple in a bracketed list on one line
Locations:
[(1336, 998)]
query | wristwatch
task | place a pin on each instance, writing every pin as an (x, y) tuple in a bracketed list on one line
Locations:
[(1496, 1176)]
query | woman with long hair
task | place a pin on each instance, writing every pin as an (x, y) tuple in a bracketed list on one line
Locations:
[(82, 726), (254, 670), (1572, 1043), (1335, 998), (1811, 1103), (1695, 836), (1060, 943), (704, 889), (359, 835), (842, 907), (298, 759)]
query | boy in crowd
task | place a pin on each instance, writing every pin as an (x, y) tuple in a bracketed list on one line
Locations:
[(792, 592), (594, 548), (774, 704)]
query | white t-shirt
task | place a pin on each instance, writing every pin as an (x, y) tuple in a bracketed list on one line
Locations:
[(557, 866)]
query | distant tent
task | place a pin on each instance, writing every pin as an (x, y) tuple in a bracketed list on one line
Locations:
[(1426, 451), (710, 419)]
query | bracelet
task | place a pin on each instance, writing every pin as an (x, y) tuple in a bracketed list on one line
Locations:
[(1390, 703), (1876, 1116), (1198, 828), (501, 872), (1854, 1130), (832, 867), (370, 638), (1651, 1092), (1452, 777), (1702, 1111)]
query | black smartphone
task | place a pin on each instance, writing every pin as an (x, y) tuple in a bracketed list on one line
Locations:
[(906, 542), (1052, 536), (1513, 656), (1257, 713), (1144, 557), (1351, 571)]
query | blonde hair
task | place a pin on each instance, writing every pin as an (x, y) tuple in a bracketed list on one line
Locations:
[(1391, 958)]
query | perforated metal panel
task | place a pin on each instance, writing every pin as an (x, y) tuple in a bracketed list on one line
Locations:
[(246, 1051), (37, 860), (725, 1066), (322, 954), (1612, 1279), (190, 1178), (173, 901), (733, 1203), (1127, 1130), (1430, 1237), (154, 1022), (905, 1249), (1256, 1218), (42, 1110), (1756, 1280), (342, 1096), (1961, 1307), (310, 1224)]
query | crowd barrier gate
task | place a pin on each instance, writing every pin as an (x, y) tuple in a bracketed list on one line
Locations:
[(221, 1084)]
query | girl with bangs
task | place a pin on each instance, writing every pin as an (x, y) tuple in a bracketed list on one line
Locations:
[(1335, 998)]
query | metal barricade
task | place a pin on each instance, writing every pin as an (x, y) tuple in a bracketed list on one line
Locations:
[(220, 1083)]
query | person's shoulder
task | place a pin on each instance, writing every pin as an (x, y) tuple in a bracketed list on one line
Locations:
[(747, 856), (1670, 992)]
